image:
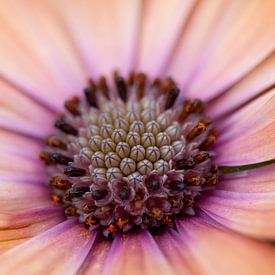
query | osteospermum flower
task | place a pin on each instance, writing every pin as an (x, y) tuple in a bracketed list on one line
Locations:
[(137, 137)]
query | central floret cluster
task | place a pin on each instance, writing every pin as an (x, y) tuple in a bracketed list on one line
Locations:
[(133, 159), (130, 141)]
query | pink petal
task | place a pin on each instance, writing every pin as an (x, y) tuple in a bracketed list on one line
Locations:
[(136, 254), (161, 26), (240, 36), (25, 218), (174, 249), (254, 181), (105, 32), (248, 136), (59, 250), (19, 158), (214, 251), (19, 144), (17, 166), (17, 113), (259, 79), (37, 55), (15, 228), (94, 263), (249, 213), (20, 195), (195, 38)]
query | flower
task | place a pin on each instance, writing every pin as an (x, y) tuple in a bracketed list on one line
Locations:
[(221, 52)]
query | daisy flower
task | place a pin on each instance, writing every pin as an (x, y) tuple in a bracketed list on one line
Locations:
[(137, 137)]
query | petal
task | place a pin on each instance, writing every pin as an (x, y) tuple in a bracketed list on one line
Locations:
[(136, 254), (215, 251), (94, 263), (59, 250), (174, 249), (248, 136), (22, 152), (19, 144), (254, 181), (21, 168), (253, 84), (161, 26), (105, 32), (18, 227), (36, 53), (195, 39), (22, 195), (217, 64), (249, 213), (19, 117)]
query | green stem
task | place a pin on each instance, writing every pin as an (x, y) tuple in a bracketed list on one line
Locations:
[(240, 168)]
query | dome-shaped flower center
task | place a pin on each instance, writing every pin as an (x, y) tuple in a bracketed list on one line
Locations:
[(130, 156)]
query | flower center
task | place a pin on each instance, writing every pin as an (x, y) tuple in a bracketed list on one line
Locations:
[(131, 155)]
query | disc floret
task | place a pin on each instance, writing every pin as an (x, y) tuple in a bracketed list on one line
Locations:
[(132, 155)]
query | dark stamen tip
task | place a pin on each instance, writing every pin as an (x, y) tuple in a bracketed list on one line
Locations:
[(46, 158), (131, 78), (171, 97), (78, 191), (72, 106), (74, 171), (65, 127), (90, 95), (121, 87), (140, 80), (185, 163), (61, 159), (99, 194), (103, 86), (54, 141)]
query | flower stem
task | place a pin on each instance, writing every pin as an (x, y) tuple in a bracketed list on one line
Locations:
[(240, 168)]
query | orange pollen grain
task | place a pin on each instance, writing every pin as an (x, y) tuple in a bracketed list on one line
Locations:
[(120, 223), (157, 212), (166, 220), (56, 199), (112, 228), (90, 221)]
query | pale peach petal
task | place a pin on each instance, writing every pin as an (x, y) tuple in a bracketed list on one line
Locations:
[(195, 38), (18, 227), (220, 252), (21, 195), (59, 250), (13, 143), (19, 166), (174, 249), (95, 261), (249, 213), (251, 181), (105, 32), (161, 26), (243, 35), (136, 254), (253, 84), (17, 113), (36, 53), (248, 136), (12, 121)]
